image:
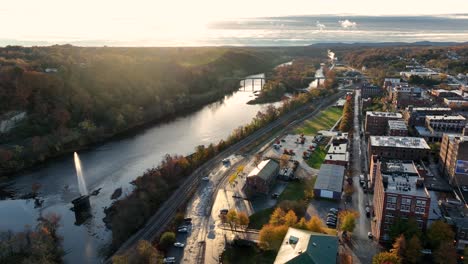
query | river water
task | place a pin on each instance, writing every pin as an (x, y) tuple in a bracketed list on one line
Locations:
[(115, 164)]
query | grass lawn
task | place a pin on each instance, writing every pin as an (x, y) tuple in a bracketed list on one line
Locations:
[(247, 255), (258, 219), (294, 191), (323, 121), (317, 158)]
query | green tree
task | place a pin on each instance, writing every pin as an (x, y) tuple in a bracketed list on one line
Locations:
[(413, 250), (386, 258), (408, 227), (167, 239), (438, 233)]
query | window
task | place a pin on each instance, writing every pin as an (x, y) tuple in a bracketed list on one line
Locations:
[(405, 208), (391, 206), (406, 201), (391, 199), (420, 210), (420, 203)]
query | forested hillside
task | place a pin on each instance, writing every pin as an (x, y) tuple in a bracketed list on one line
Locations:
[(75, 96)]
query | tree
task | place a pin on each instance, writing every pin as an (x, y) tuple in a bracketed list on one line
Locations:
[(232, 218), (399, 246), (408, 227), (438, 233), (413, 250), (302, 224), (290, 219), (167, 239), (446, 253), (243, 219), (348, 220), (385, 258), (277, 217), (271, 237), (315, 225)]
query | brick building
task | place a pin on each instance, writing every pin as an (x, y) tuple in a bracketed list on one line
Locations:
[(436, 126), (403, 148), (368, 90), (416, 116), (399, 193), (452, 149), (376, 123), (262, 177), (404, 96), (397, 128)]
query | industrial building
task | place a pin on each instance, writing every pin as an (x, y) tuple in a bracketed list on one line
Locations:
[(262, 177), (329, 183)]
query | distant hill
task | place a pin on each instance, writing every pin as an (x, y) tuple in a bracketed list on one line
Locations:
[(388, 44)]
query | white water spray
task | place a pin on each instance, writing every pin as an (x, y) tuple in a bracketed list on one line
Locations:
[(79, 174)]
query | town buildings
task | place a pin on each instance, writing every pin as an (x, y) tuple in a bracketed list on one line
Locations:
[(453, 158), (404, 148), (261, 178), (416, 116), (368, 90), (403, 96), (436, 126), (302, 246), (376, 123), (399, 193)]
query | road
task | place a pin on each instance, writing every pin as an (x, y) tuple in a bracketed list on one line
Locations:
[(362, 247), (160, 220)]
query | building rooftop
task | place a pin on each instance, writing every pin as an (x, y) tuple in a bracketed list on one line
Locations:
[(422, 109), (265, 169), (337, 157), (384, 114), (330, 177), (445, 117), (425, 132), (338, 148), (397, 125), (399, 142), (402, 177), (302, 246)]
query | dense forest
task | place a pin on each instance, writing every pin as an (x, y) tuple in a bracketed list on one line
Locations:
[(74, 96)]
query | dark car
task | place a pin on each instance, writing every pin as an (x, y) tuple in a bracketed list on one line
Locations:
[(274, 195)]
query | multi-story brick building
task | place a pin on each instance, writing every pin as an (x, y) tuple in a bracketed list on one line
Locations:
[(376, 123), (403, 96), (397, 128), (453, 150), (436, 126), (416, 116), (404, 148), (399, 193), (368, 90)]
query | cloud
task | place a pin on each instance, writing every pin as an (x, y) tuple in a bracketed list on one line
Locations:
[(347, 24), (320, 26)]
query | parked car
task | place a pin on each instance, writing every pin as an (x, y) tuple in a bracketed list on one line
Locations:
[(334, 210), (205, 178), (182, 230), (368, 211), (274, 195), (226, 161), (179, 245), (465, 188), (331, 214), (188, 220), (369, 235), (169, 260), (223, 211)]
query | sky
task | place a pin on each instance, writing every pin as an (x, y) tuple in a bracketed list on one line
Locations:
[(56, 19)]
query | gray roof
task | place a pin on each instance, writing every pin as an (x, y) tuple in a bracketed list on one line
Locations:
[(265, 170), (399, 142), (330, 177)]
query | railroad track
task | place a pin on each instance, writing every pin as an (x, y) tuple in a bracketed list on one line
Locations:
[(158, 222)]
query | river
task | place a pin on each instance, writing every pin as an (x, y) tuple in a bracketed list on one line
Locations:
[(115, 164)]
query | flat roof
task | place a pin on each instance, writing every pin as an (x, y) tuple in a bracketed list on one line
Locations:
[(337, 157), (338, 148), (330, 177), (402, 177), (424, 132), (399, 142), (397, 125), (415, 109), (303, 246), (384, 114), (445, 117)]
